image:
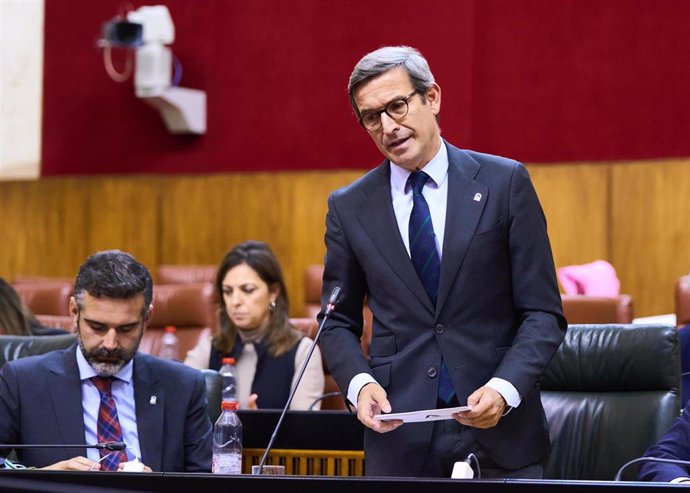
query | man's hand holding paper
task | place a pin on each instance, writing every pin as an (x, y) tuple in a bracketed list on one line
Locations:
[(486, 406), (371, 402)]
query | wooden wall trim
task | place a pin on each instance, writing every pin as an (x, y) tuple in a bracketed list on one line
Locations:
[(634, 214)]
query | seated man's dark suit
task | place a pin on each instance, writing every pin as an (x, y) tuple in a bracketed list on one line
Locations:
[(41, 403), (675, 444)]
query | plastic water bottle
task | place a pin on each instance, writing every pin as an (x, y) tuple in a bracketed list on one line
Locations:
[(227, 441), (170, 345), (227, 374)]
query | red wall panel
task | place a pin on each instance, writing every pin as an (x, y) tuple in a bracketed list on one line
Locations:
[(538, 80)]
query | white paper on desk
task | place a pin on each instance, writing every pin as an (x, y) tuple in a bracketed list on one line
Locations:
[(423, 416)]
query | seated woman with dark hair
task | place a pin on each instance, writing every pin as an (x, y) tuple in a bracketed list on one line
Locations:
[(254, 329), (16, 319)]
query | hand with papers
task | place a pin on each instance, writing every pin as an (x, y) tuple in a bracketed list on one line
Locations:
[(371, 402), (487, 408)]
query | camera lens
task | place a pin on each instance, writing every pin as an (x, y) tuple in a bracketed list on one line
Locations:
[(124, 34)]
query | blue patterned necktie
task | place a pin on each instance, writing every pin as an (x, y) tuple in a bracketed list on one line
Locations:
[(108, 425), (426, 261)]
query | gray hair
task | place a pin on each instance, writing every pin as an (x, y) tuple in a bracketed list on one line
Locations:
[(113, 274), (389, 57)]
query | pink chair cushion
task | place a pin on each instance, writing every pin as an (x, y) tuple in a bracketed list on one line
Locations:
[(595, 279)]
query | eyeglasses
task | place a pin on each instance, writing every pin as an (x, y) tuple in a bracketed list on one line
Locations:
[(396, 109)]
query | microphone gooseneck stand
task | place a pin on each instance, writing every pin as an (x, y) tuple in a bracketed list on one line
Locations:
[(112, 446), (332, 302)]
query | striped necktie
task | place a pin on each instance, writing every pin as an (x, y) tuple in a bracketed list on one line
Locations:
[(426, 261), (108, 426)]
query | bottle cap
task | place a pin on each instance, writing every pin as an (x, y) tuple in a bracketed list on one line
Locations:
[(229, 405), (170, 328), (228, 361)]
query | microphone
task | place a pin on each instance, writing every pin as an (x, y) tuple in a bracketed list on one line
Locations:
[(649, 459), (112, 446), (322, 397), (333, 300)]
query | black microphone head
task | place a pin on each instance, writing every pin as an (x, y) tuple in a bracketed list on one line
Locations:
[(335, 296), (114, 446), (333, 300)]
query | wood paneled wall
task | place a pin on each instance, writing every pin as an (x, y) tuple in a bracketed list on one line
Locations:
[(636, 215)]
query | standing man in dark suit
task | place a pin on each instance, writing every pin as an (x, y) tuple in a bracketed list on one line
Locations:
[(449, 248), (102, 389)]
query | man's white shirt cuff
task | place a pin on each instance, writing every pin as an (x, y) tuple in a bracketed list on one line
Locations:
[(356, 384), (507, 391), (503, 387)]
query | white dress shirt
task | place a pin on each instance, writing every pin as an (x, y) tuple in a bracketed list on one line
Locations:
[(123, 394), (435, 192)]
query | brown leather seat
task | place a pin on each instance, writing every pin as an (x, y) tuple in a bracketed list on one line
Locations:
[(184, 274), (683, 301), (188, 307), (64, 322), (583, 309), (45, 297), (41, 279), (313, 282)]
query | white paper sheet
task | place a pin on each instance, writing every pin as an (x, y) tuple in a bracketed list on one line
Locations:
[(423, 416)]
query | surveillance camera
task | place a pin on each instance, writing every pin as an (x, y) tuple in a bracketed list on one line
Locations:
[(123, 34), (145, 34)]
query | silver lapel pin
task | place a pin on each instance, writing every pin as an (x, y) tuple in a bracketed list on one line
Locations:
[(152, 400), (477, 197)]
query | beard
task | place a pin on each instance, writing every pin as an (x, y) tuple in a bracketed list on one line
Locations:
[(115, 360)]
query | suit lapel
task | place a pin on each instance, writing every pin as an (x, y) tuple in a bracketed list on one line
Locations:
[(65, 393), (378, 220), (150, 402), (462, 216)]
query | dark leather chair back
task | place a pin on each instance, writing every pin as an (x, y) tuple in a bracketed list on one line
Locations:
[(214, 389), (609, 393), (15, 347)]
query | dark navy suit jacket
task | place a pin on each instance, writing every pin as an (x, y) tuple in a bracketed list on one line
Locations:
[(675, 444), (498, 312), (40, 402)]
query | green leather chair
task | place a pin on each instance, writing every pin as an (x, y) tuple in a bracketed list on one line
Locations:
[(214, 389), (609, 393), (14, 347)]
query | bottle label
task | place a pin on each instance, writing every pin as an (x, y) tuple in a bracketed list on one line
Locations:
[(229, 391), (228, 463)]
